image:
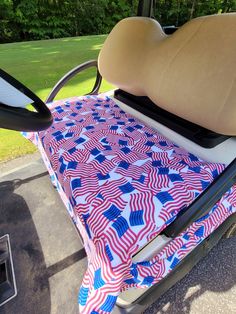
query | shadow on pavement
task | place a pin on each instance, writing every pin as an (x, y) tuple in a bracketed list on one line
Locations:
[(215, 273), (32, 274)]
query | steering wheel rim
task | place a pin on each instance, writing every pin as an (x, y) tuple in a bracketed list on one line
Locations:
[(21, 119)]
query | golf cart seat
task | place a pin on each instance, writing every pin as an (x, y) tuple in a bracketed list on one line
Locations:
[(123, 182), (141, 59)]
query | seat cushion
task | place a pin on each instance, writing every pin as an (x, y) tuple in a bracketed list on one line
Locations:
[(123, 183), (190, 73)]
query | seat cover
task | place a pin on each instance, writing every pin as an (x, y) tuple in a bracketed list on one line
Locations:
[(190, 73), (123, 183)]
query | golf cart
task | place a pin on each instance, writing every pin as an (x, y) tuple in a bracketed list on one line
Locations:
[(147, 172)]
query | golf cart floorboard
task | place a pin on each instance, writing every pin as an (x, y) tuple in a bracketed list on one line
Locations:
[(184, 267)]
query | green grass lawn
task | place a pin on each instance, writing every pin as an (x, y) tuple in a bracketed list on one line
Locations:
[(39, 65)]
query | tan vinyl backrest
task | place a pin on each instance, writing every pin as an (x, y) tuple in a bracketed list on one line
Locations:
[(191, 73)]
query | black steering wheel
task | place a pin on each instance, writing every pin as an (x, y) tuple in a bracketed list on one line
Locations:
[(14, 98)]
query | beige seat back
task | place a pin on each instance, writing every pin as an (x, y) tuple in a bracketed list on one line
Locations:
[(191, 73)]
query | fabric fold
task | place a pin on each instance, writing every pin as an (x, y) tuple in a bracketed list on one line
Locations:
[(122, 183)]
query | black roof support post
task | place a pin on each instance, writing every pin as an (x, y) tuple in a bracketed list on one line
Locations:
[(145, 8)]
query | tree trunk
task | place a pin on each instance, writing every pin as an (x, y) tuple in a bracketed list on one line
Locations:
[(194, 2)]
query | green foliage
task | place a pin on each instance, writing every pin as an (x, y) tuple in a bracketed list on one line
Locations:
[(178, 12), (6, 17), (22, 20), (117, 10)]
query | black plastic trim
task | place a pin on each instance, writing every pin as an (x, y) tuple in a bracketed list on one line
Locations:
[(192, 131), (204, 202), (69, 75), (7, 284), (169, 30), (181, 270)]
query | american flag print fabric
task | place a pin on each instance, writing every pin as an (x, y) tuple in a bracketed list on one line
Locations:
[(122, 183)]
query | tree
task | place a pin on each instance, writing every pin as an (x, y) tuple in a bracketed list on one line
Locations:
[(42, 19)]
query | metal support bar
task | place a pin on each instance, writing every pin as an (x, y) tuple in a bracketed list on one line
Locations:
[(145, 8), (204, 202), (71, 74)]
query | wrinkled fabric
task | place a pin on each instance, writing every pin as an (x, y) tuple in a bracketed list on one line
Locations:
[(123, 183)]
